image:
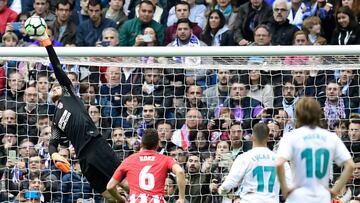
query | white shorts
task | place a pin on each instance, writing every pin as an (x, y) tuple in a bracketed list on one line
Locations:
[(307, 195)]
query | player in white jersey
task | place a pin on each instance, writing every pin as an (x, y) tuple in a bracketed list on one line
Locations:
[(311, 150), (254, 171)]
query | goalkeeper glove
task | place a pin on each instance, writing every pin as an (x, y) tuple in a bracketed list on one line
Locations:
[(222, 191), (60, 162), (43, 39)]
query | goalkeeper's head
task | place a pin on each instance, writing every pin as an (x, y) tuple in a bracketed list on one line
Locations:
[(150, 139), (56, 92)]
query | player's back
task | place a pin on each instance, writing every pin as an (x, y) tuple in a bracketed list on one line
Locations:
[(146, 172), (311, 152), (259, 183)]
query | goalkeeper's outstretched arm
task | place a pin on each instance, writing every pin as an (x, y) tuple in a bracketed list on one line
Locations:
[(60, 75)]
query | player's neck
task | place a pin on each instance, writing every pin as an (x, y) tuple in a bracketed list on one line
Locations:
[(255, 144)]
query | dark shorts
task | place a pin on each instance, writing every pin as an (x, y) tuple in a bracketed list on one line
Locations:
[(98, 163)]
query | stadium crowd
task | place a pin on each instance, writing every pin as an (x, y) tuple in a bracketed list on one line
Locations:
[(204, 118)]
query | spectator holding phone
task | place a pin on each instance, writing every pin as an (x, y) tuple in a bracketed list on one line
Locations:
[(149, 38), (6, 15)]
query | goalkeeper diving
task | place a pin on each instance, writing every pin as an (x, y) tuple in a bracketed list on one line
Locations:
[(71, 122)]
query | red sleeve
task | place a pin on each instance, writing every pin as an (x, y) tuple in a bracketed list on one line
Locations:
[(120, 172), (13, 16), (170, 162)]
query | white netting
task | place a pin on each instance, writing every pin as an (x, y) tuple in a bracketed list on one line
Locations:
[(148, 91)]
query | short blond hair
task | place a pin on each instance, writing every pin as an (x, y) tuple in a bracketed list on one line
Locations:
[(9, 35)]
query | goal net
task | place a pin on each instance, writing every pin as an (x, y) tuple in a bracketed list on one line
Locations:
[(203, 103)]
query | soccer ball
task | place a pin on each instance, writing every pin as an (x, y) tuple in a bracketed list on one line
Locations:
[(35, 26)]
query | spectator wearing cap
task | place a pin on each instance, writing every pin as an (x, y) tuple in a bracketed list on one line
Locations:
[(64, 29), (134, 27), (282, 31), (197, 14), (251, 14), (6, 16), (90, 30), (182, 10)]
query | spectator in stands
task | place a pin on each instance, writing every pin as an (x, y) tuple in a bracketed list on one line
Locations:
[(42, 122), (159, 13), (9, 141), (353, 5), (10, 39), (182, 11), (26, 149), (29, 111), (6, 16), (304, 84), (220, 126), (102, 124), (185, 38), (115, 12), (129, 113), (8, 117), (347, 31), (193, 99), (354, 130), (275, 134), (216, 33), (119, 143), (81, 15), (300, 39), (335, 107), (296, 15), (42, 87), (237, 143), (179, 155), (325, 11), (251, 14), (282, 31), (312, 26), (217, 94), (341, 129), (74, 185), (170, 189), (260, 89), (89, 93), (355, 186), (149, 38), (14, 93), (33, 190), (21, 6), (155, 89), (228, 10), (262, 36), (90, 30), (181, 137), (41, 8), (110, 92), (134, 27), (288, 100), (150, 114), (110, 37), (197, 186), (197, 14), (64, 29), (348, 82), (43, 144), (243, 107), (201, 142), (165, 131), (283, 120)]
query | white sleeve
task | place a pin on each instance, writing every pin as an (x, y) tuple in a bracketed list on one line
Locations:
[(341, 153), (172, 17), (285, 149), (236, 174), (288, 174)]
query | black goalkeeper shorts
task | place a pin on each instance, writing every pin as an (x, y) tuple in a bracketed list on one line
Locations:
[(98, 163)]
